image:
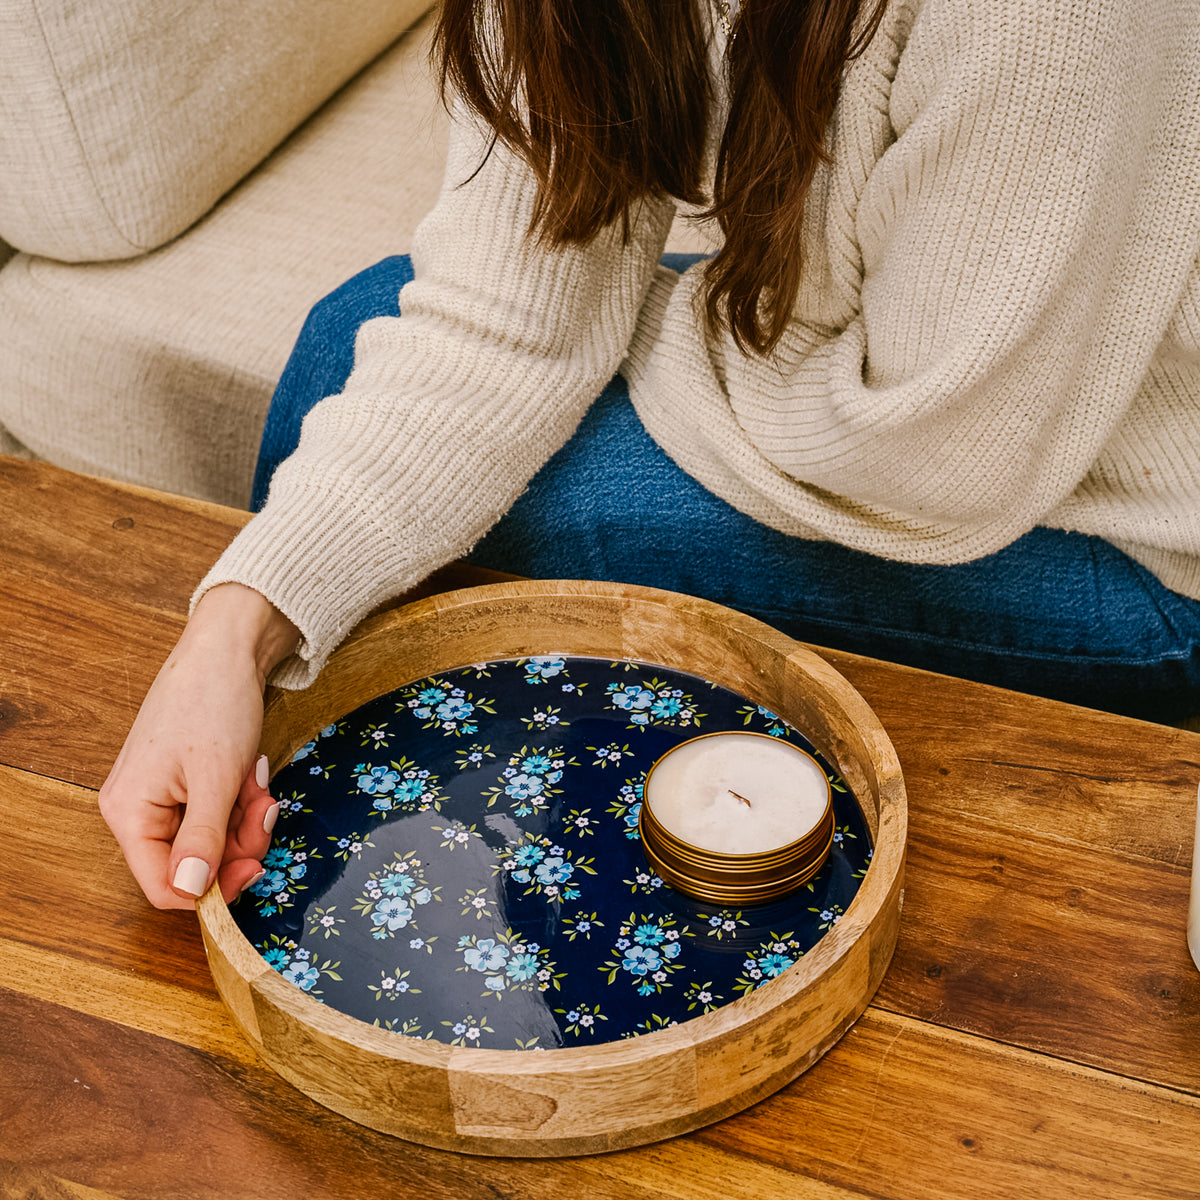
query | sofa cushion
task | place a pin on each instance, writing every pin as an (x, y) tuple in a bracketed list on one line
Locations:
[(160, 370), (122, 124)]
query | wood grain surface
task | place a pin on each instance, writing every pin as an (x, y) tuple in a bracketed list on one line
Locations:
[(1037, 1034)]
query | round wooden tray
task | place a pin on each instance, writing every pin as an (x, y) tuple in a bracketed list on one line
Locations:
[(616, 1094)]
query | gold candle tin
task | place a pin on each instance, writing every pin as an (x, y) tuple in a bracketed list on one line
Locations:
[(734, 879)]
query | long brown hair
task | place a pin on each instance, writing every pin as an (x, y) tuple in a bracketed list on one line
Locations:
[(608, 101)]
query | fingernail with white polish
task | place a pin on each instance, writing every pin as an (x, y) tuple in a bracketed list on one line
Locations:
[(251, 882), (191, 876), (262, 771), (270, 817)]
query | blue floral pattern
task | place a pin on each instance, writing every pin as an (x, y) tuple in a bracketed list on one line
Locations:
[(392, 895), (442, 705), (467, 867), (284, 865), (654, 702)]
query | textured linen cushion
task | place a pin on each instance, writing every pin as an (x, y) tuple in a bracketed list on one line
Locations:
[(160, 370), (122, 124)]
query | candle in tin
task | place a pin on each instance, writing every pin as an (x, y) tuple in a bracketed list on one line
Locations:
[(736, 817)]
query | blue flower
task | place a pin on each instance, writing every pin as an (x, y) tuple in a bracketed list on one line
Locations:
[(271, 883), (297, 870), (522, 787), (314, 770), (544, 666), (393, 913), (522, 966), (304, 751), (398, 883), (536, 764), (639, 718), (495, 983), (573, 1016), (276, 957), (634, 812), (583, 926), (646, 988), (374, 780), (641, 960), (422, 896), (485, 955), (431, 695), (665, 707), (649, 935), (410, 789), (774, 964), (632, 697), (454, 710), (528, 855), (554, 870), (671, 949), (277, 856), (329, 730), (301, 975)]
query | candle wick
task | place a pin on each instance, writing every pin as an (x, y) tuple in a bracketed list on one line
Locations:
[(741, 798)]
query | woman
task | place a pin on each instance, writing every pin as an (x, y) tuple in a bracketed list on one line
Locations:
[(937, 397)]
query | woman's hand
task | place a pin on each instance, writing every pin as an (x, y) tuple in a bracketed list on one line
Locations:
[(186, 798)]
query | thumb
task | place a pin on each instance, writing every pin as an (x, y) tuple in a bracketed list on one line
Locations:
[(199, 845)]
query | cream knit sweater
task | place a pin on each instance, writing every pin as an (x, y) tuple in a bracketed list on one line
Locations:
[(999, 328)]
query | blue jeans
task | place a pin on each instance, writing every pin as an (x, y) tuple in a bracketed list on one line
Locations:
[(1056, 614)]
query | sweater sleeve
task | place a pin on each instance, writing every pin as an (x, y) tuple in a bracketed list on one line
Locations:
[(450, 409), (981, 298)]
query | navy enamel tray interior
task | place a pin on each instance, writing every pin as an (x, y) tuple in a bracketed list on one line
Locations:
[(459, 860)]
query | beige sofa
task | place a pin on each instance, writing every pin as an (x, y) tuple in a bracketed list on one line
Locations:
[(181, 183)]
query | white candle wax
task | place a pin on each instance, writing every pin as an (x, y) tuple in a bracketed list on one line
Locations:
[(738, 793), (1193, 926)]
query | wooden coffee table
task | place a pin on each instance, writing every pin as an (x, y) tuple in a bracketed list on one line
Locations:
[(1037, 1035)]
